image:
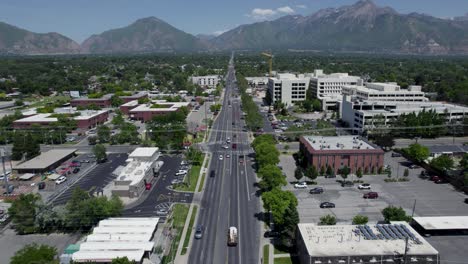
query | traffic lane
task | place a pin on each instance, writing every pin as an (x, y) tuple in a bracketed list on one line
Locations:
[(161, 196), (97, 178), (234, 214)]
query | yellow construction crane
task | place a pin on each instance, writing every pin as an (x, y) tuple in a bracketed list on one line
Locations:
[(270, 61)]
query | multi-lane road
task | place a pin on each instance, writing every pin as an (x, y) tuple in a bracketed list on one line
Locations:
[(229, 197)]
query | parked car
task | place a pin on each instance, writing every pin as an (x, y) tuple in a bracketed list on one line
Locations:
[(76, 170), (395, 154), (327, 205), (413, 166), (364, 186), (347, 184), (181, 173), (85, 161), (3, 218), (162, 211), (441, 181), (316, 190), (300, 185), (371, 195), (199, 232), (41, 185), (435, 178), (183, 162), (176, 181), (60, 180), (271, 234)]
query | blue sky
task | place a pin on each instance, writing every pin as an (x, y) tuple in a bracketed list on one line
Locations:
[(78, 19)]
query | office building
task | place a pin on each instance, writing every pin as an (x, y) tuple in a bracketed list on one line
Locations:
[(347, 244), (385, 92), (327, 87), (287, 88), (340, 151), (85, 119), (145, 112), (364, 114), (209, 81)]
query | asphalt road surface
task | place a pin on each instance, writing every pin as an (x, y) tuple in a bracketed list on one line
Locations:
[(160, 195), (229, 197), (97, 178)]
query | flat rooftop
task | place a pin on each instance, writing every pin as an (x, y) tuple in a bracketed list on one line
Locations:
[(37, 118), (45, 159), (337, 143), (166, 107), (442, 222), (143, 152), (88, 114), (131, 103), (348, 240), (448, 149)]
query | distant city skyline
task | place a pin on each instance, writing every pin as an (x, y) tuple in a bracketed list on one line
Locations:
[(78, 20)]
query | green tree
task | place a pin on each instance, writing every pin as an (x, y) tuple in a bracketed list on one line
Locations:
[(118, 119), (35, 254), (443, 163), (322, 170), (92, 140), (344, 172), (328, 220), (386, 141), (265, 154), (123, 260), (23, 212), (277, 201), (271, 177), (195, 156), (100, 152), (418, 152), (288, 229), (298, 173), (392, 213), (116, 101), (330, 171), (311, 173), (18, 150), (359, 173), (103, 133), (406, 172), (360, 220)]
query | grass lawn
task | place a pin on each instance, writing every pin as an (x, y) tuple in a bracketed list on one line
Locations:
[(286, 260), (279, 251), (200, 188), (189, 231), (46, 100), (266, 254), (192, 178), (179, 214)]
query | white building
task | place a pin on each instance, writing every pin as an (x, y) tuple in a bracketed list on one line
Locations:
[(258, 82), (361, 114), (287, 88), (385, 92), (362, 244), (327, 87), (142, 166), (117, 238), (209, 81)]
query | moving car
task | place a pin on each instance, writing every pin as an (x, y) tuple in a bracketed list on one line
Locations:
[(220, 157), (232, 236), (212, 173), (364, 186), (316, 190), (327, 205), (60, 180), (234, 146), (371, 195), (225, 146), (199, 232), (300, 185), (228, 140), (228, 156)]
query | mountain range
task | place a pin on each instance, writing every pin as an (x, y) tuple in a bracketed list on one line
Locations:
[(362, 27)]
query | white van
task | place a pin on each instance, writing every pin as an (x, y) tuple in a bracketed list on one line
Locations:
[(232, 236)]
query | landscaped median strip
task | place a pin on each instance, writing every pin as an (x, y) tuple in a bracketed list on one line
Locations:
[(266, 254), (189, 231)]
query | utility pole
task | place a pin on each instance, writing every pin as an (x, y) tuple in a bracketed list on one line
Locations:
[(2, 153), (414, 208), (406, 250)]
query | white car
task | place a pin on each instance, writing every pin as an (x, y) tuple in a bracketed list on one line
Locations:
[(181, 172), (300, 185), (60, 180), (228, 156), (364, 186), (225, 146), (220, 157), (228, 140), (184, 162)]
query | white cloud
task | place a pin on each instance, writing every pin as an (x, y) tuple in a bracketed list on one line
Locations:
[(285, 9), (261, 14), (301, 6)]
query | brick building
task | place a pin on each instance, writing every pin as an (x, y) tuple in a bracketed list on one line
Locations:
[(145, 112), (86, 120), (340, 151), (103, 102), (126, 107)]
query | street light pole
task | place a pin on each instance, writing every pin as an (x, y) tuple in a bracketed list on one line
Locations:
[(2, 153)]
